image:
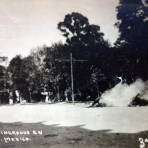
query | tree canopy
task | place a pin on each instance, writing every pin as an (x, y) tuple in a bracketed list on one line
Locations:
[(132, 23), (83, 38)]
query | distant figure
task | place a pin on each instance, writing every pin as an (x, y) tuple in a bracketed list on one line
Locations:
[(10, 98), (47, 97), (67, 94), (46, 94), (17, 96)]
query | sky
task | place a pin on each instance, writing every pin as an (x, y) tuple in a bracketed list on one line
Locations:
[(27, 24)]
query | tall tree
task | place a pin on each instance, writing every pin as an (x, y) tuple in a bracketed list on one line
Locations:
[(25, 76), (2, 77), (83, 38), (56, 73), (15, 68), (132, 22), (85, 41)]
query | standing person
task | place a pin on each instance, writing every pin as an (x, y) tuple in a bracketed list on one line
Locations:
[(67, 94), (17, 96), (10, 97), (46, 94)]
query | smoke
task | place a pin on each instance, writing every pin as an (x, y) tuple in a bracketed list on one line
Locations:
[(123, 94), (144, 94)]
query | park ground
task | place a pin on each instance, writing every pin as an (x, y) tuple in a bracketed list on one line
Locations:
[(76, 125)]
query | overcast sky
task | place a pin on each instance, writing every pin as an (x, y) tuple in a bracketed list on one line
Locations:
[(25, 24)]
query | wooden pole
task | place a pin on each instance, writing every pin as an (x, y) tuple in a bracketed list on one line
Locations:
[(72, 84), (71, 60)]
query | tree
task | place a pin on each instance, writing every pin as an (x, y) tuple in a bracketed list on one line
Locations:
[(15, 68), (32, 77), (3, 80), (38, 55), (56, 73), (4, 85), (83, 38), (25, 76), (87, 42), (133, 23)]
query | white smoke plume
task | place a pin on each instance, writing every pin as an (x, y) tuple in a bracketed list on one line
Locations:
[(144, 94), (123, 94)]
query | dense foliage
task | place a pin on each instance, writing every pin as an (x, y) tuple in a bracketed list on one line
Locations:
[(96, 65)]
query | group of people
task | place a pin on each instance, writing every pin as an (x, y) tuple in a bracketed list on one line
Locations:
[(14, 97)]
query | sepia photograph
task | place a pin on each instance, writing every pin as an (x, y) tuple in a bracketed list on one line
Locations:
[(73, 73)]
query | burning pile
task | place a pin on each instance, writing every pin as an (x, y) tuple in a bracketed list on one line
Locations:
[(126, 95)]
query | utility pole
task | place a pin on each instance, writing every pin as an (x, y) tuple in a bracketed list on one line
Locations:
[(71, 72), (72, 87)]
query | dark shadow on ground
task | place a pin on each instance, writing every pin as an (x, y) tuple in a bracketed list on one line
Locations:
[(54, 136)]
